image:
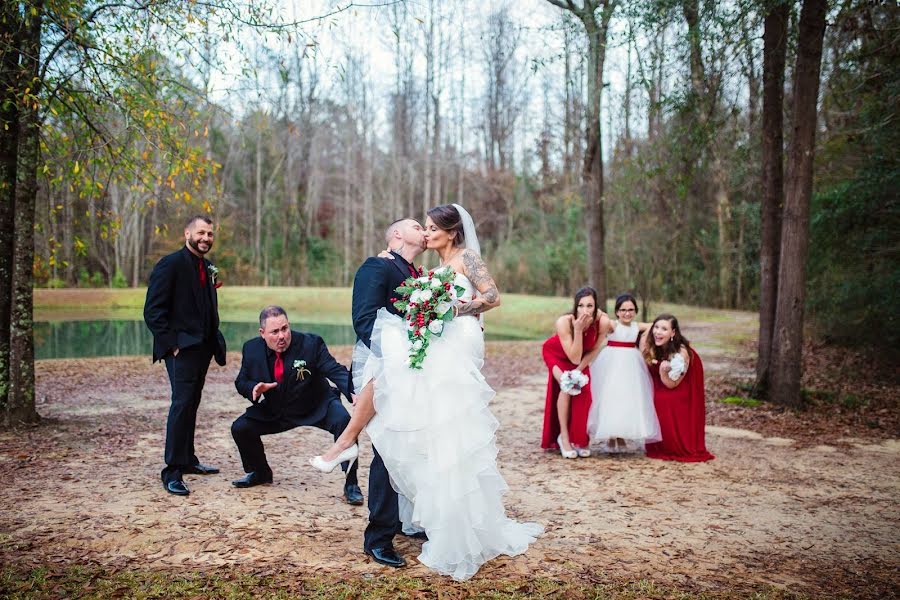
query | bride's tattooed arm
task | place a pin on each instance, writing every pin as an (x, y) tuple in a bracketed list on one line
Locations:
[(488, 294)]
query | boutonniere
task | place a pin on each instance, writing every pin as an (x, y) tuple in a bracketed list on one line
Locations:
[(302, 371), (214, 276)]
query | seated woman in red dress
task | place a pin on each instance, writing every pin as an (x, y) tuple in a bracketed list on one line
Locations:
[(678, 393), (574, 347)]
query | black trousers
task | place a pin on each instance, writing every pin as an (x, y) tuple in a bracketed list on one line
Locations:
[(247, 431), (384, 511), (187, 374)]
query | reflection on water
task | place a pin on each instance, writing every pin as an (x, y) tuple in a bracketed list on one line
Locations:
[(78, 339)]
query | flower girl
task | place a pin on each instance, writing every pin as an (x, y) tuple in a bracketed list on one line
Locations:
[(621, 386)]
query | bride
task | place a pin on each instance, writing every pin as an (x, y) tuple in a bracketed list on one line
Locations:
[(432, 427)]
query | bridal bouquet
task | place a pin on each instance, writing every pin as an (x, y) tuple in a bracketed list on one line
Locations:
[(426, 302), (572, 381)]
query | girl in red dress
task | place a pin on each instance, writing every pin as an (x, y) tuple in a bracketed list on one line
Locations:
[(678, 394), (575, 345)]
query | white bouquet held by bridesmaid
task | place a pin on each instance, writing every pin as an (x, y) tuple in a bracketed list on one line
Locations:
[(426, 302), (572, 381), (678, 367)]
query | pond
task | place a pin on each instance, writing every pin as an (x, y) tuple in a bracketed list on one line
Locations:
[(112, 337)]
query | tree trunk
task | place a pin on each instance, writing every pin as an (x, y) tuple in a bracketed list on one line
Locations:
[(774, 53), (592, 185), (723, 218), (20, 406), (258, 197), (9, 119), (788, 337)]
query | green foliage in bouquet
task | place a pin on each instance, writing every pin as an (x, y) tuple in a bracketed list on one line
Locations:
[(426, 303)]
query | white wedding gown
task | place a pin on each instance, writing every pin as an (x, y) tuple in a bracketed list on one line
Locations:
[(435, 433)]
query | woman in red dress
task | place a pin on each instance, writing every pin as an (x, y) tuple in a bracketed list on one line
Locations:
[(678, 394), (575, 345)]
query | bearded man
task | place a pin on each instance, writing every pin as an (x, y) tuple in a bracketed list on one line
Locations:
[(181, 310)]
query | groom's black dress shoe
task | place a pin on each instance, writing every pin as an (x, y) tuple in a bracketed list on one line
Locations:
[(199, 469), (386, 556), (419, 535), (252, 478), (177, 487), (352, 494)]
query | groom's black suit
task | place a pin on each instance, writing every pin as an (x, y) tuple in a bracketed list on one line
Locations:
[(182, 313), (373, 288), (302, 398)]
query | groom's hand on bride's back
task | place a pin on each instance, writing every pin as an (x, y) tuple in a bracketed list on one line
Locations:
[(261, 388)]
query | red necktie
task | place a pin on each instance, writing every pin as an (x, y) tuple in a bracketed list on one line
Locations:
[(413, 271), (202, 274), (279, 367)]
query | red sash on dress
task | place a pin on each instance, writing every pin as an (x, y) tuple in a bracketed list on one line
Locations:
[(622, 344)]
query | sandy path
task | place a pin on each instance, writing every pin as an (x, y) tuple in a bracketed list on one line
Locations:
[(85, 486)]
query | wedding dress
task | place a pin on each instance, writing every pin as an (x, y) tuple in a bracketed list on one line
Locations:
[(435, 433)]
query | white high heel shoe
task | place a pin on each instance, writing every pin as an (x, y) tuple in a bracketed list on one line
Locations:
[(565, 453), (327, 466)]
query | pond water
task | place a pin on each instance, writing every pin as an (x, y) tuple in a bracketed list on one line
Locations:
[(109, 337)]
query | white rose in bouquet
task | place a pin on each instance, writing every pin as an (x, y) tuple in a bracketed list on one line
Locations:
[(417, 345), (572, 382), (442, 308), (678, 367), (436, 327)]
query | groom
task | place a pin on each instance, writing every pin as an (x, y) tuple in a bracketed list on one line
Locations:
[(373, 288)]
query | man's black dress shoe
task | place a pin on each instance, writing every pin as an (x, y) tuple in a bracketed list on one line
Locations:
[(200, 470), (419, 535), (387, 556), (177, 487), (352, 494), (252, 478)]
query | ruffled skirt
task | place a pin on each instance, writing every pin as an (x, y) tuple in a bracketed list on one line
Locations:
[(435, 433), (623, 398)]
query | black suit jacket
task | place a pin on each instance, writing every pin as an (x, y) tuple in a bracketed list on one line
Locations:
[(373, 288), (302, 401), (175, 311)]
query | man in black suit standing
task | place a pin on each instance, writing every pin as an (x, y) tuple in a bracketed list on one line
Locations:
[(181, 310), (285, 374), (373, 288)]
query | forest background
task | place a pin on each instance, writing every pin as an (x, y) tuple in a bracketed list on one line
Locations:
[(304, 149), (304, 131)]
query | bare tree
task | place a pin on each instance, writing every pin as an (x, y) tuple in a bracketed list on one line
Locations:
[(595, 16), (786, 367), (775, 31)]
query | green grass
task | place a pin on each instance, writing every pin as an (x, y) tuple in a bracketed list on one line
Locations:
[(93, 582), (519, 316), (741, 401)]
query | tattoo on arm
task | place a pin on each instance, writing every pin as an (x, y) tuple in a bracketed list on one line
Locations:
[(475, 269), (477, 272)]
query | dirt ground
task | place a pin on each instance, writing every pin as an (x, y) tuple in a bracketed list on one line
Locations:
[(815, 516)]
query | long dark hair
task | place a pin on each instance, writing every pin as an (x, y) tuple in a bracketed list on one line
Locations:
[(447, 218), (583, 293), (660, 353)]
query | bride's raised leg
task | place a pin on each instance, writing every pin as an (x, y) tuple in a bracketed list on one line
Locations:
[(363, 411)]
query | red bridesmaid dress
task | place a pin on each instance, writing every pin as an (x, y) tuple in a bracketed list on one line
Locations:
[(554, 355), (682, 416)]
